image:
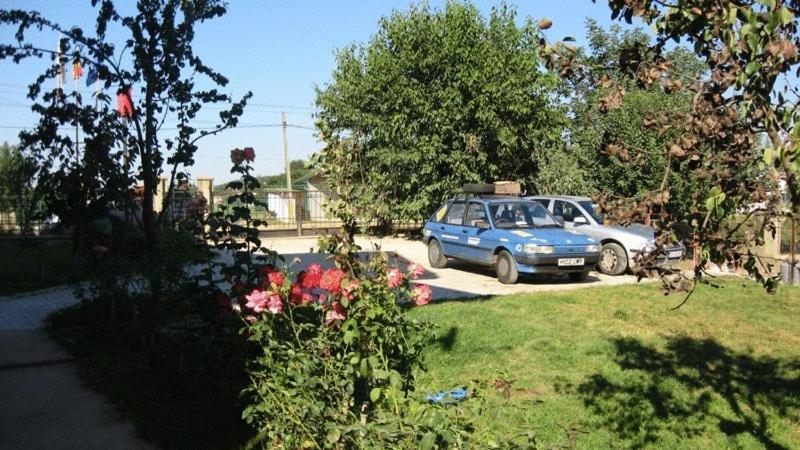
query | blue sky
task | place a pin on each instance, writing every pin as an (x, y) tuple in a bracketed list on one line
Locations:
[(279, 49)]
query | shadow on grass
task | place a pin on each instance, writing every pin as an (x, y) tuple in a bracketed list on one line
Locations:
[(690, 388), (447, 340)]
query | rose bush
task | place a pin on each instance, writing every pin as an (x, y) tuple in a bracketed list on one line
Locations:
[(338, 356), (332, 354)]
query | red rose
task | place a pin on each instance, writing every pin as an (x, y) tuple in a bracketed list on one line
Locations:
[(296, 294), (276, 277), (249, 154), (331, 280)]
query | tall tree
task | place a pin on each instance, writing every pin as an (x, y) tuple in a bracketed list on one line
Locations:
[(153, 70), (435, 99)]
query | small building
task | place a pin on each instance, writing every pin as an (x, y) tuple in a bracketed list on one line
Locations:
[(317, 192)]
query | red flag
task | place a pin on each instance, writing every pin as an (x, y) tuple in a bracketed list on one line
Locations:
[(125, 102), (77, 70)]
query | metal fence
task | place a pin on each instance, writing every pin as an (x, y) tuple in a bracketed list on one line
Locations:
[(299, 212), (21, 215)]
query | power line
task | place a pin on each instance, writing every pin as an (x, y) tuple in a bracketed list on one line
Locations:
[(252, 125)]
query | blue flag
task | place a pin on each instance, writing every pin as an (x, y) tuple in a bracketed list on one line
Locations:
[(91, 76)]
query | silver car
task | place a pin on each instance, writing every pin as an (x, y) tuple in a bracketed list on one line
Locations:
[(621, 245)]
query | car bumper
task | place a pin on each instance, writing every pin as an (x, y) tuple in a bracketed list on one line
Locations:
[(669, 255), (529, 263)]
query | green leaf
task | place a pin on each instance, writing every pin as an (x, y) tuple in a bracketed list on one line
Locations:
[(752, 67), (428, 441), (785, 15), (768, 154), (375, 394)]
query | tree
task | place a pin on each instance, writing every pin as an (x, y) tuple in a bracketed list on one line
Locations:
[(157, 61), (613, 140), (750, 50), (435, 99), (16, 190)]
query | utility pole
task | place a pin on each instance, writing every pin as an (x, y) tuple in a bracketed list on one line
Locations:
[(286, 152)]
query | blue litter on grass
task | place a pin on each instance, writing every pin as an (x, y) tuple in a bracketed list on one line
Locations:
[(443, 397)]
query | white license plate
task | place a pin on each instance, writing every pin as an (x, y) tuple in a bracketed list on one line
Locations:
[(570, 261), (676, 253)]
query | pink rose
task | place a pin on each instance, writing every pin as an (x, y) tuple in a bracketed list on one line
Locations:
[(348, 290), (395, 278), (335, 313), (331, 280), (274, 304), (421, 294), (257, 300), (249, 154), (415, 270)]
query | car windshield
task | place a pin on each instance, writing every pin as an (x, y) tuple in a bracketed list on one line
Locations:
[(521, 215), (592, 210)]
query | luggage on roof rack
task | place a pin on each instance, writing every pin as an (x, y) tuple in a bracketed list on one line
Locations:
[(507, 188)]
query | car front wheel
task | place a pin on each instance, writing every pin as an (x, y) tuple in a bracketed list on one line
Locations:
[(506, 268), (435, 255), (613, 260)]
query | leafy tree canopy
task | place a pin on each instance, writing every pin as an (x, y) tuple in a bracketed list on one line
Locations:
[(751, 52), (87, 155), (613, 135), (435, 99)]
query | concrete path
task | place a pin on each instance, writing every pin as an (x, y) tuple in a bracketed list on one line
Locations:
[(43, 404), (457, 280)]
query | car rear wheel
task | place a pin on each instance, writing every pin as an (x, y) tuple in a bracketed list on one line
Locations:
[(578, 277), (613, 260), (506, 268), (435, 255)]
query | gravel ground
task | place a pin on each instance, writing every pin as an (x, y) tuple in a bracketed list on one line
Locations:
[(458, 280)]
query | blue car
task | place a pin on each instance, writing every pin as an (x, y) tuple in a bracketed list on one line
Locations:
[(512, 234)]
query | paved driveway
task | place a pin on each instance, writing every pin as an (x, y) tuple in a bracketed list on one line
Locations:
[(458, 280)]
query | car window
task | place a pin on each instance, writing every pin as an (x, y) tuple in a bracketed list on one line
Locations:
[(566, 210), (455, 214), (476, 212), (593, 210), (521, 215), (440, 213)]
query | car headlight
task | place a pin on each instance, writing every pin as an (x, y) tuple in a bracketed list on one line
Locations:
[(540, 249), (592, 248)]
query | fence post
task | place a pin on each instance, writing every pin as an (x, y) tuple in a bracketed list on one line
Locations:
[(298, 212), (206, 186)]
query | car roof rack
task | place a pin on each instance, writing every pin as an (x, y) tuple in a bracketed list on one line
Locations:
[(498, 189)]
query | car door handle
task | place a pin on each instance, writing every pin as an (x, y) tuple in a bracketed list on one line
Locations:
[(464, 231), (441, 228)]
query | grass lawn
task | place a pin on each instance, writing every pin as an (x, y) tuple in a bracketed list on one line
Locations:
[(31, 264), (616, 363)]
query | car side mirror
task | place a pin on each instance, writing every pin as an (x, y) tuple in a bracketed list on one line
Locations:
[(482, 224), (580, 220)]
